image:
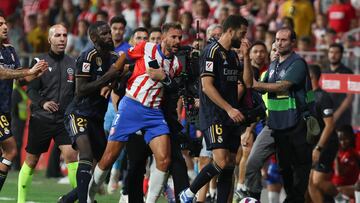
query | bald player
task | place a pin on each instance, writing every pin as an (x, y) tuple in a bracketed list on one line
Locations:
[(50, 95)]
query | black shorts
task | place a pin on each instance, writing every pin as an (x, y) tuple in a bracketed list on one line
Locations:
[(41, 133), (219, 136), (78, 125), (327, 156), (5, 127)]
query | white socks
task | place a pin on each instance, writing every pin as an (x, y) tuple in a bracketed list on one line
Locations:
[(274, 197), (156, 183), (97, 179), (357, 196)]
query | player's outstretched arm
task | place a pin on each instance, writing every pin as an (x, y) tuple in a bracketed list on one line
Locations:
[(34, 72), (83, 87)]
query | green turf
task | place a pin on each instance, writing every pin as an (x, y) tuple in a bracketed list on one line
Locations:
[(44, 190)]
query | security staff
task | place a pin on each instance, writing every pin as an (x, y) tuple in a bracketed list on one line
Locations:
[(289, 97), (50, 95), (326, 148)]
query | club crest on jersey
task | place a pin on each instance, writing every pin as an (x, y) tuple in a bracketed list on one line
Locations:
[(70, 77), (98, 61), (86, 67), (209, 66)]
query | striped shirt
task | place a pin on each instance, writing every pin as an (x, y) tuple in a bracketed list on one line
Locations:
[(140, 86)]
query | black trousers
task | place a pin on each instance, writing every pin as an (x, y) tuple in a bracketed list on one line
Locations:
[(294, 156), (138, 151)]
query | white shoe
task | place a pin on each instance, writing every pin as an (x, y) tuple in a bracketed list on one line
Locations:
[(64, 181), (124, 199)]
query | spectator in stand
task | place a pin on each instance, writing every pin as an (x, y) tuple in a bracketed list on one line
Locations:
[(305, 45), (329, 38), (201, 11), (53, 11), (342, 101), (8, 7), (145, 19), (172, 14), (155, 35), (188, 31), (81, 41), (224, 13), (319, 30), (131, 14), (302, 12), (288, 22), (233, 8), (102, 16), (260, 32), (38, 38), (86, 13), (156, 15), (32, 23), (111, 7), (68, 15), (341, 16), (346, 168), (269, 39)]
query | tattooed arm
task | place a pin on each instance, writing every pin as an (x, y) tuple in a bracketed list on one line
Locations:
[(280, 86), (35, 71)]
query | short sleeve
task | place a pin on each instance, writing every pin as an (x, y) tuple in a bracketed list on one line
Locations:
[(209, 63), (136, 52), (83, 67), (16, 58), (296, 73), (326, 106)]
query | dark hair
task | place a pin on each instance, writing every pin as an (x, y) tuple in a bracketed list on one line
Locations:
[(331, 31), (167, 26), (263, 25), (118, 19), (188, 14), (140, 29), (348, 132), (292, 32), (93, 29), (103, 13), (337, 45), (234, 22), (290, 21), (260, 43), (315, 70), (155, 29), (85, 22), (306, 39)]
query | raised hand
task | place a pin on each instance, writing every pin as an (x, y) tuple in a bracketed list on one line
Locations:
[(39, 68)]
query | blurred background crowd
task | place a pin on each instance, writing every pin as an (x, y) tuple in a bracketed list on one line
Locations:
[(317, 23)]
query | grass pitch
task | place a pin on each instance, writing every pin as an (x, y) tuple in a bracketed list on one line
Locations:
[(45, 190)]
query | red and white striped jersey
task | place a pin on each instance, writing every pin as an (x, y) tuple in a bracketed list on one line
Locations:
[(140, 85)]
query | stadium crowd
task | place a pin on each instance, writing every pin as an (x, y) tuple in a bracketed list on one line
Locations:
[(115, 42)]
